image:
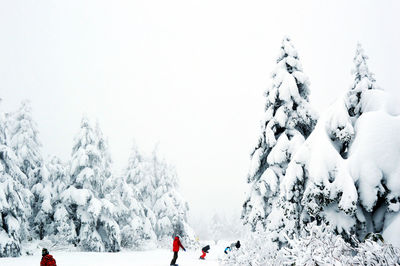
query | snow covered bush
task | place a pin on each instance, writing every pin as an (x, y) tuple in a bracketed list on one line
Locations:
[(257, 249), (319, 245), (322, 246), (376, 253)]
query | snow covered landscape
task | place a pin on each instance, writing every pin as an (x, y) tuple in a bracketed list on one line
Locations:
[(144, 258), (134, 134)]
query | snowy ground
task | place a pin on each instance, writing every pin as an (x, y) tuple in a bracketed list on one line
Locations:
[(158, 257)]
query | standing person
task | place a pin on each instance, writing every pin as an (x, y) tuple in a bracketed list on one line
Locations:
[(204, 250), (47, 259), (237, 245), (175, 248)]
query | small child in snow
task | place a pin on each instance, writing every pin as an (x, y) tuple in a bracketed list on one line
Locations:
[(204, 250)]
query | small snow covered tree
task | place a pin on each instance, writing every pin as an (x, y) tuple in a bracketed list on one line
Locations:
[(62, 230), (14, 200), (25, 143), (134, 218), (42, 208), (91, 212), (217, 227), (107, 222), (50, 217), (156, 184), (363, 80), (105, 160), (169, 206), (287, 122)]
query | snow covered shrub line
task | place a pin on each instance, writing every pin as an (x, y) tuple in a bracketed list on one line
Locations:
[(321, 246)]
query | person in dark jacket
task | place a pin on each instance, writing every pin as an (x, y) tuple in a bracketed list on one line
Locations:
[(237, 245), (175, 248), (205, 251), (47, 259), (233, 245)]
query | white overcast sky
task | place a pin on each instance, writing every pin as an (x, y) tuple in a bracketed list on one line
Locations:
[(187, 74)]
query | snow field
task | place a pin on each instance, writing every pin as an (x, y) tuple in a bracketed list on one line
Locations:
[(157, 257)]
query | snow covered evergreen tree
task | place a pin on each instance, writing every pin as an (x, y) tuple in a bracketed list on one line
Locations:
[(14, 199), (363, 80), (135, 219), (105, 159), (107, 223), (23, 139), (93, 215), (169, 206), (156, 183), (336, 177), (62, 229), (287, 122), (42, 218), (25, 143)]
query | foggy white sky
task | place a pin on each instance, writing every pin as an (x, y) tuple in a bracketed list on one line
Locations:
[(187, 74)]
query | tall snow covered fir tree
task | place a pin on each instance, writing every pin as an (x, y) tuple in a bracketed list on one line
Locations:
[(24, 141), (288, 121), (93, 215), (15, 199)]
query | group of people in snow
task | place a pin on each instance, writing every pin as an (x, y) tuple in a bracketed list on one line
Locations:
[(177, 245)]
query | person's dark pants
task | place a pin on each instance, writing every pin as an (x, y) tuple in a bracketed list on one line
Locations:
[(173, 261)]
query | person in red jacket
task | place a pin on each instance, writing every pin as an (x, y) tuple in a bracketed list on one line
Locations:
[(47, 259), (175, 248)]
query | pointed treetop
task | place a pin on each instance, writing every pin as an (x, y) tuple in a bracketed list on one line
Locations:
[(288, 54), (288, 47), (363, 80), (288, 80), (25, 107), (85, 121), (361, 70)]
